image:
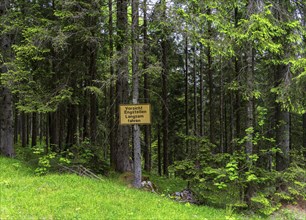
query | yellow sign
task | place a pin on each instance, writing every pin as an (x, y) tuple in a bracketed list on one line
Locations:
[(135, 114)]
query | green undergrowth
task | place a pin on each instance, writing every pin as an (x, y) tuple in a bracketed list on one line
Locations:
[(168, 185), (26, 196)]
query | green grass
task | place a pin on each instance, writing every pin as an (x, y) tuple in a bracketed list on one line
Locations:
[(168, 185), (26, 196)]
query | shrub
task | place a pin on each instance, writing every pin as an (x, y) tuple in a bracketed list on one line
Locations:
[(238, 180)]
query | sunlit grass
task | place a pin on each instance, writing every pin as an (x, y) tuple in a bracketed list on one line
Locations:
[(26, 196)]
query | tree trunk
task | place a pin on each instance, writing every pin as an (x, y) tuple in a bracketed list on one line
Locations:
[(283, 78), (6, 123), (93, 97), (212, 120), (6, 98), (237, 107), (304, 134), (222, 118), (72, 121), (226, 127), (46, 131), (147, 132), (41, 127), (16, 125), (34, 129), (165, 109), (159, 156), (237, 96), (232, 132), (165, 106), (303, 11), (211, 99), (83, 116), (54, 131), (28, 133), (135, 70), (282, 123), (61, 127), (250, 113), (201, 94), (122, 148), (23, 129), (112, 103), (195, 94), (249, 190), (282, 138), (186, 94)]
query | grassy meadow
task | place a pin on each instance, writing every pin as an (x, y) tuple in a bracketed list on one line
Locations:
[(23, 195), (66, 196)]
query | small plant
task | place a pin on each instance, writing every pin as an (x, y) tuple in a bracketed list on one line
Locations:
[(230, 210), (238, 181), (44, 164), (264, 206), (50, 161)]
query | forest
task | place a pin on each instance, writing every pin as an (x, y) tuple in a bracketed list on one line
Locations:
[(225, 79)]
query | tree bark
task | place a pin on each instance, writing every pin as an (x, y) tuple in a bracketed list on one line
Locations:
[(222, 118), (112, 103), (165, 106), (283, 78), (46, 132), (165, 109), (122, 149), (303, 12), (34, 129), (23, 129), (282, 123), (212, 121), (72, 121), (61, 127), (54, 131), (282, 139), (28, 123), (195, 94), (16, 125), (249, 110), (159, 156), (304, 134), (186, 94), (93, 97), (201, 94), (41, 127), (6, 98), (147, 132), (135, 70), (249, 190), (6, 123)]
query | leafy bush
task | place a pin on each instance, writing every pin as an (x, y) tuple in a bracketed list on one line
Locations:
[(239, 181), (89, 156), (44, 160)]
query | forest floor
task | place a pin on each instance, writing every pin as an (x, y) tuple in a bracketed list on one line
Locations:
[(294, 212), (26, 196)]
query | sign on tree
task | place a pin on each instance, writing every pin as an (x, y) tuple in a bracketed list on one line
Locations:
[(135, 114)]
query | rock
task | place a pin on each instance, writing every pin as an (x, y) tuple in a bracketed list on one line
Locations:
[(148, 186), (184, 196)]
